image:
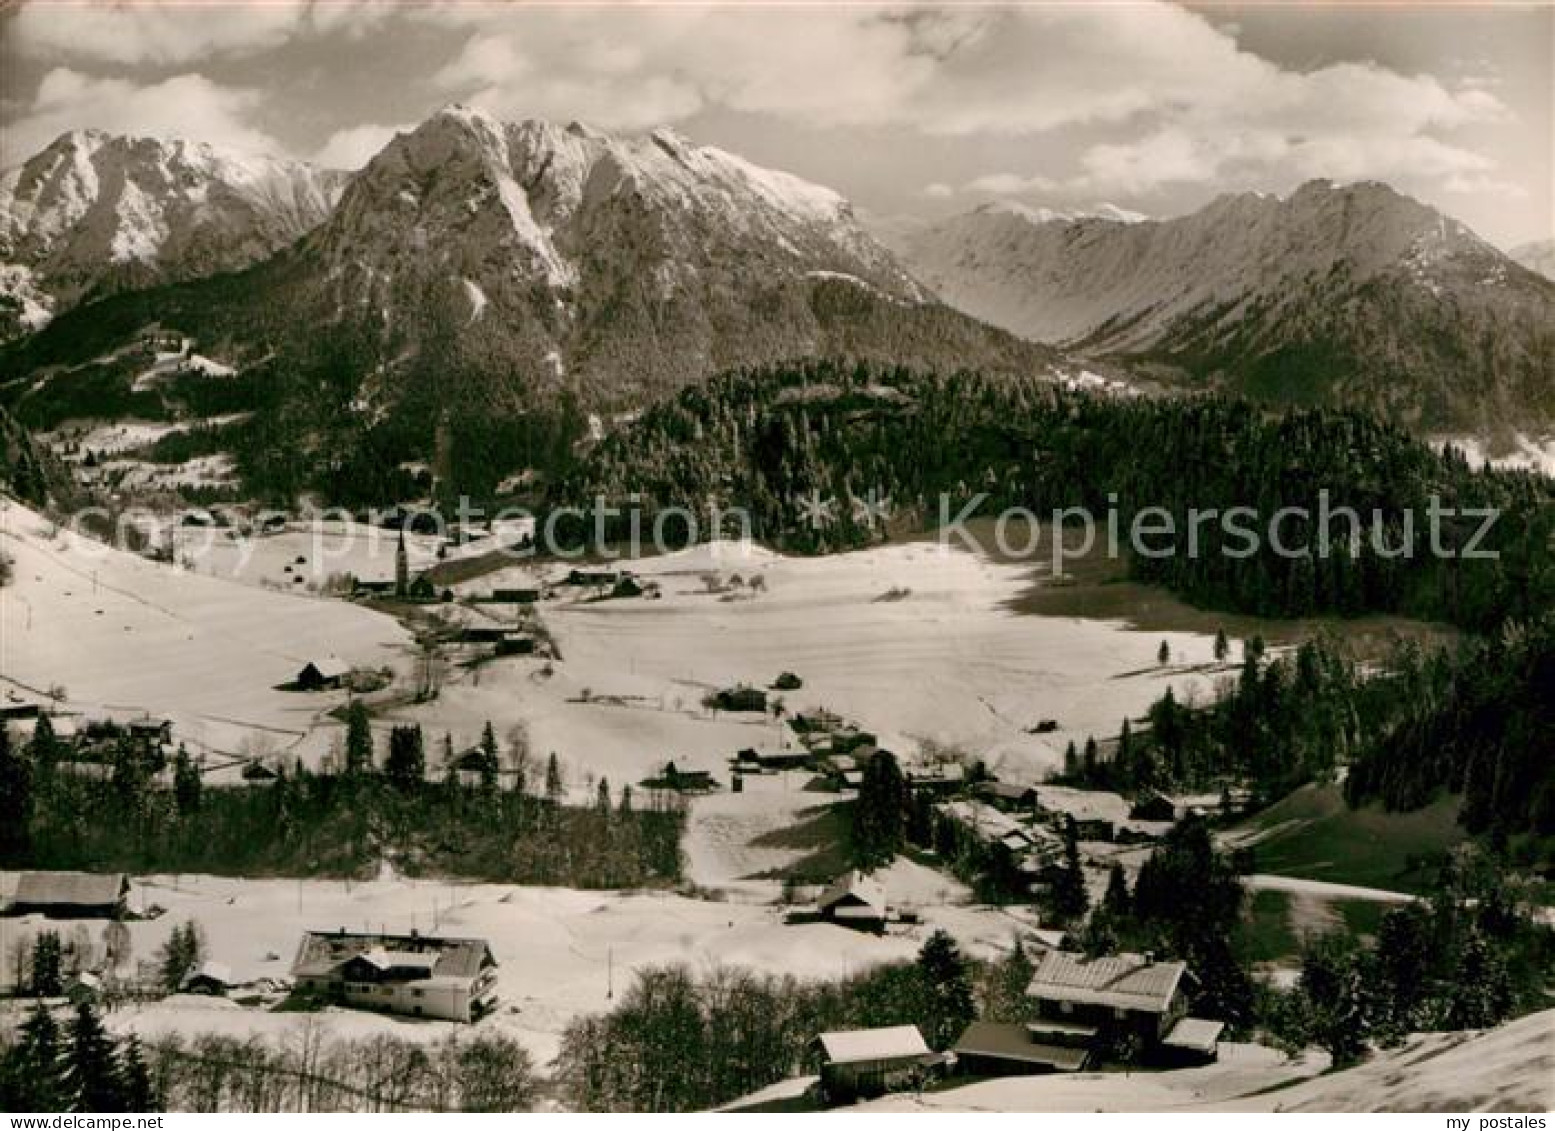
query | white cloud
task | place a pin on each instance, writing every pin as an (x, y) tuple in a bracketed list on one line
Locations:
[(354, 147), (1167, 98), (173, 33), (1011, 184), (186, 106), (939, 190), (1203, 108)]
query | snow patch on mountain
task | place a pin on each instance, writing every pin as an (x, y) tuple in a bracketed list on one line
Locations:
[(1538, 256), (478, 299), (94, 213)]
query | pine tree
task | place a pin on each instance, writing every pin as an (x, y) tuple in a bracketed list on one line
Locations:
[(491, 763), (554, 789), (187, 786), (1125, 769), (139, 1094), (93, 1074), (948, 990), (1163, 656), (602, 797), (359, 739), (626, 800), (1070, 900), (15, 800), (1071, 762), (181, 955), (1222, 646), (1117, 902), (1008, 982), (48, 965), (880, 812), (44, 750), (38, 1065), (406, 765)]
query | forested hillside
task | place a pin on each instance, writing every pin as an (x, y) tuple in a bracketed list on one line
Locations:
[(1482, 725), (774, 440)]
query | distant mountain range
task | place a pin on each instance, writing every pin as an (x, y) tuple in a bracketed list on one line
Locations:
[(1349, 294), (1539, 255), (477, 269), (95, 214), (614, 267)]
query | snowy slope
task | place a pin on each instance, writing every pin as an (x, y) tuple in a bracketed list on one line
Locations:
[(94, 213), (122, 634)]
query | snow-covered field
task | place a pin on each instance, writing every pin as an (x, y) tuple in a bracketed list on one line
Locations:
[(316, 551), (123, 635), (313, 552), (912, 642), (558, 949)]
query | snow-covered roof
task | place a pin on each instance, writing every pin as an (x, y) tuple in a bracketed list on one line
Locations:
[(900, 1042), (856, 886), (1003, 1041), (1195, 1034), (386, 959), (332, 667), (323, 952), (70, 889), (212, 971), (1123, 981)]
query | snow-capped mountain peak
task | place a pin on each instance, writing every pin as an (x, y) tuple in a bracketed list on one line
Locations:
[(1352, 284), (93, 213)]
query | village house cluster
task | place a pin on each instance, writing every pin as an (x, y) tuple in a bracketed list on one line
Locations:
[(1086, 1008)]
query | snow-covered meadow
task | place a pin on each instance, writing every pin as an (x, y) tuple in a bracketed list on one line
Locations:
[(911, 641), (120, 635)]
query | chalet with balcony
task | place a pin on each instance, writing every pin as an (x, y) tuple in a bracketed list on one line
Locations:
[(414, 975)]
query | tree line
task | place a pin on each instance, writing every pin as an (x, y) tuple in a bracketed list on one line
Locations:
[(683, 1041), (337, 823), (81, 1068), (773, 438)]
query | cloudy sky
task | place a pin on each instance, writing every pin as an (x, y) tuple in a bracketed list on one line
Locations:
[(906, 109)]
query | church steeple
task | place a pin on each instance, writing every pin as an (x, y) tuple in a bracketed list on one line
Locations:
[(401, 568)]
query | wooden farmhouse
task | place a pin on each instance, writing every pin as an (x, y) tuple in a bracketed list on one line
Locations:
[(1122, 997), (325, 674), (857, 1063), (855, 900), (994, 1048), (71, 895)]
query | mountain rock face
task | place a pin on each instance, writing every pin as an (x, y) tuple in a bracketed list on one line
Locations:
[(481, 288), (516, 258), (621, 264), (1353, 294), (93, 214), (1537, 256)]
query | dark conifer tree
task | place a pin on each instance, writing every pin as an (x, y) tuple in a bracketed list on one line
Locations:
[(359, 739), (948, 990), (93, 1073), (15, 800)]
